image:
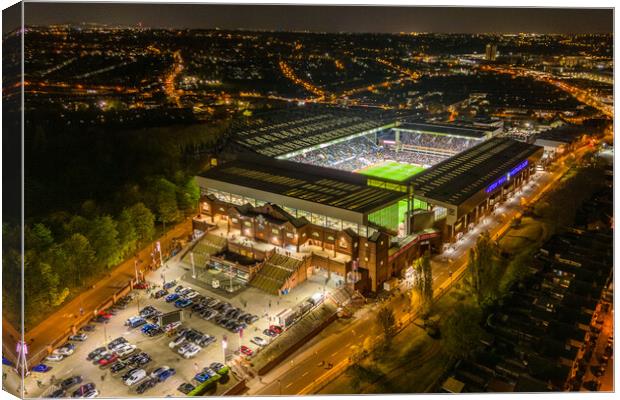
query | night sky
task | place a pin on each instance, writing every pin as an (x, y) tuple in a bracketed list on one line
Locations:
[(328, 18)]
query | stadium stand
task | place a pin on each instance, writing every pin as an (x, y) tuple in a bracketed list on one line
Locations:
[(208, 245), (274, 273)]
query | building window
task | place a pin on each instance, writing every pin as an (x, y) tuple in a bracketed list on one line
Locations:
[(315, 234), (365, 244), (355, 244), (289, 235), (275, 231), (330, 238), (222, 209), (247, 223), (365, 258), (343, 244), (234, 220)]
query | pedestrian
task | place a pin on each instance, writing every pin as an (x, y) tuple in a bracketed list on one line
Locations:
[(102, 378), (39, 383)]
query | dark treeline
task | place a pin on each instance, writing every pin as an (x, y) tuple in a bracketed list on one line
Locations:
[(93, 197)]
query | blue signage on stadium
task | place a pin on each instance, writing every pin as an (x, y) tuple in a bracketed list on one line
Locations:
[(506, 177)]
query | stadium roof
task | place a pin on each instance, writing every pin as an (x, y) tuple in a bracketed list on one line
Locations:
[(455, 180), (279, 133), (444, 129), (328, 187)]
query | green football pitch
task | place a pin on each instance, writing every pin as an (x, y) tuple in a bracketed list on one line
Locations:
[(392, 170)]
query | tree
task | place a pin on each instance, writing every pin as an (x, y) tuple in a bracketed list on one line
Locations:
[(387, 323), (79, 256), (483, 269), (38, 238), (103, 237), (162, 194), (143, 222), (127, 235), (461, 331), (188, 196)]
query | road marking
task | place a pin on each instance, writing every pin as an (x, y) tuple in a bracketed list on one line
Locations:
[(289, 385), (305, 373), (334, 353)]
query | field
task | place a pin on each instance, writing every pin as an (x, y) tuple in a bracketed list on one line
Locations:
[(392, 170)]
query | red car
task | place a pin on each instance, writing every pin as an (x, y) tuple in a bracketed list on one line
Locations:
[(276, 329), (108, 359), (141, 285), (246, 350), (105, 314)]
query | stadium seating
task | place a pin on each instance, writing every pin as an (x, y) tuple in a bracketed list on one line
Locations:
[(274, 273), (208, 245)]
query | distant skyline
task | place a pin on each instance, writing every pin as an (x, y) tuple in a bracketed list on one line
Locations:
[(354, 19)]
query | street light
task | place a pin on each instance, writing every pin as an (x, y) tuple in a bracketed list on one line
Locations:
[(280, 387)]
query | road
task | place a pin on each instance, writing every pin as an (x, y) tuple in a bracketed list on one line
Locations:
[(61, 321), (301, 373)]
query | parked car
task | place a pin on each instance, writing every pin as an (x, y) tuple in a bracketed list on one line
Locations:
[(135, 322), (134, 377), (160, 293), (170, 285), (191, 351), (146, 385), (277, 329), (172, 297), (95, 353), (118, 367), (141, 285), (65, 350), (82, 390), (54, 357), (107, 360), (125, 350), (177, 341), (178, 288), (246, 350), (182, 303), (72, 381), (88, 328), (166, 374), (172, 326), (80, 337), (91, 394), (259, 341), (185, 388), (119, 341), (202, 376), (269, 333), (58, 393), (41, 368)]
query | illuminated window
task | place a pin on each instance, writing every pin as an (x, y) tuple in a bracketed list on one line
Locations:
[(315, 234), (275, 231), (247, 223), (289, 235), (234, 220), (330, 238)]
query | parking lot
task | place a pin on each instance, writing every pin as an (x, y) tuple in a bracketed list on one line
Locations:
[(250, 301)]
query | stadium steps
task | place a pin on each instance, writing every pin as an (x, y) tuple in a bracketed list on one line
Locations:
[(276, 270), (207, 246)]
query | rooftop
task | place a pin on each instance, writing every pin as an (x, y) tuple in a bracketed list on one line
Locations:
[(563, 134), (445, 129), (286, 131), (458, 178), (335, 188)]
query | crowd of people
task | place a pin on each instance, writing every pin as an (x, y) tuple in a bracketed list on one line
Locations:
[(455, 144), (362, 152)]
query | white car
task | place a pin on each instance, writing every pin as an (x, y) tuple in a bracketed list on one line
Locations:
[(135, 377), (185, 348), (172, 326), (117, 346), (190, 295), (177, 341), (125, 350), (257, 340), (63, 351), (193, 350), (54, 357)]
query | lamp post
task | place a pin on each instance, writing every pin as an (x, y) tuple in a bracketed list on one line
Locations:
[(191, 257), (224, 346), (280, 387)]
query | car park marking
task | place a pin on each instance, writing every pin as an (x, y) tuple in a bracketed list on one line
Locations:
[(289, 385), (305, 373), (334, 353)]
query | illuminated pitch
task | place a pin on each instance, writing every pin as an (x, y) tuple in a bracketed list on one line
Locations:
[(392, 170)]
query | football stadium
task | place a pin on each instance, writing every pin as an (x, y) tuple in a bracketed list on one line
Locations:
[(352, 195)]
